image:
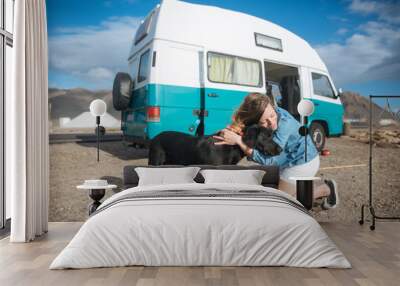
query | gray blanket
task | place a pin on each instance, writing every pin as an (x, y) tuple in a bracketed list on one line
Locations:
[(206, 194)]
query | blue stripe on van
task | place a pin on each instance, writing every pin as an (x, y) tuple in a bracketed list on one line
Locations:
[(177, 105)]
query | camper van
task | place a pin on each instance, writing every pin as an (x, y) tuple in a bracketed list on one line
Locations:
[(190, 66)]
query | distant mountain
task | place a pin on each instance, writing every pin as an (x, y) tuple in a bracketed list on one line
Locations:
[(73, 102), (357, 107)]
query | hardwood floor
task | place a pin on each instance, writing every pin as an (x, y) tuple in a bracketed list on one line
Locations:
[(375, 257)]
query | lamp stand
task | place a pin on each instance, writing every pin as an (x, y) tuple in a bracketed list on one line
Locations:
[(98, 136), (303, 131), (305, 138)]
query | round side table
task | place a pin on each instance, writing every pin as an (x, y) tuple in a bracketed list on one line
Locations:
[(304, 190), (96, 193)]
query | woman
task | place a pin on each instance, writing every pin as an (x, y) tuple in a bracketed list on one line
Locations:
[(258, 108)]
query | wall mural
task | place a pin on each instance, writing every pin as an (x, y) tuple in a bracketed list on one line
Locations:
[(188, 83)]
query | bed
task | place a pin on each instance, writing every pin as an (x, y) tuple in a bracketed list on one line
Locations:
[(201, 224)]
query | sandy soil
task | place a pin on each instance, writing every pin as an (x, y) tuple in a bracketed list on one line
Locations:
[(73, 163)]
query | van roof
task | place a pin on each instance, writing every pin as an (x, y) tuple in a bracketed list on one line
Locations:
[(221, 30)]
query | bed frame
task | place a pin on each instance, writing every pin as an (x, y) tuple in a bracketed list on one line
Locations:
[(270, 179)]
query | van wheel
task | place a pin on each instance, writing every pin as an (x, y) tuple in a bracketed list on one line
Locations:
[(317, 132)]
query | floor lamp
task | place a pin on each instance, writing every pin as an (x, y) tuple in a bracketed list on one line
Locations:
[(98, 108), (304, 185), (305, 109)]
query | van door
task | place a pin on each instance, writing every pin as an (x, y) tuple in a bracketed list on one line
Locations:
[(176, 85), (283, 84), (134, 119), (229, 80), (328, 107)]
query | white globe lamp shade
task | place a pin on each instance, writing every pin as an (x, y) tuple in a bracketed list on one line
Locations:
[(305, 107), (98, 107)]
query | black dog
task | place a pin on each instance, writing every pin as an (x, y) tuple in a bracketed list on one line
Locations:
[(176, 148)]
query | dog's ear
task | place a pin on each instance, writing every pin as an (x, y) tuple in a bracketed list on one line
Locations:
[(265, 144), (251, 131), (250, 135), (267, 132)]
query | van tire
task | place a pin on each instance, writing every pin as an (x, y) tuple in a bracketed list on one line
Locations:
[(122, 90), (318, 135)]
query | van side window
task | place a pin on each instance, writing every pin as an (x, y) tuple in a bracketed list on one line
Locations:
[(322, 85), (133, 68), (144, 66), (143, 29), (233, 70)]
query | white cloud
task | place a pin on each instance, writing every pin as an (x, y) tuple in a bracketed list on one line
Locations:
[(96, 74), (100, 73), (93, 53), (388, 11), (364, 7), (342, 31), (336, 18), (372, 52)]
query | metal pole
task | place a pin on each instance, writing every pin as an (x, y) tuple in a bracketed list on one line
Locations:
[(98, 136), (305, 147), (305, 138), (370, 151)]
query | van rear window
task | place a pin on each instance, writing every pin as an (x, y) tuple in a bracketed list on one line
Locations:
[(133, 68), (234, 70), (144, 66)]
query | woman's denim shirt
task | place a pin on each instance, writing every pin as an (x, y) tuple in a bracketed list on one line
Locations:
[(292, 143)]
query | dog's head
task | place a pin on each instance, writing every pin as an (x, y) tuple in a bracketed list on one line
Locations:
[(260, 138)]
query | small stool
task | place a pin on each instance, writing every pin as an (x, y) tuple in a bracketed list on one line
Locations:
[(305, 190)]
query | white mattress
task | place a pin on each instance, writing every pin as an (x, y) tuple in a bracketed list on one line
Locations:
[(183, 231)]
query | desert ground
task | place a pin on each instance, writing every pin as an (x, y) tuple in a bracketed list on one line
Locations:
[(72, 163)]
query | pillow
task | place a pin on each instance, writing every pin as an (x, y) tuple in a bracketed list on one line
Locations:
[(249, 177), (164, 176)]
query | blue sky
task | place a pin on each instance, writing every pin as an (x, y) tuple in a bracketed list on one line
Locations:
[(359, 40)]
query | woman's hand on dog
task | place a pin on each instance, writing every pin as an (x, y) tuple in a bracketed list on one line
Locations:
[(228, 137)]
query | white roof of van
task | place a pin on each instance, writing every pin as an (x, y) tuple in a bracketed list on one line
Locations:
[(231, 32)]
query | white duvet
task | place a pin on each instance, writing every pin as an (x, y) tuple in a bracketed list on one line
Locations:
[(182, 231)]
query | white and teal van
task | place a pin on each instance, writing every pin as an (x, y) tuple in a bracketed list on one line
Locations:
[(190, 66)]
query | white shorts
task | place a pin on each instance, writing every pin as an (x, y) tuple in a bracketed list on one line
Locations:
[(308, 169)]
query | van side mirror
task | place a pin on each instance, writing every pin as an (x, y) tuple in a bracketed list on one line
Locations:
[(340, 92)]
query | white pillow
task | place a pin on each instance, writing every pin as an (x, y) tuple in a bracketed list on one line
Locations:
[(248, 177), (164, 176)]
